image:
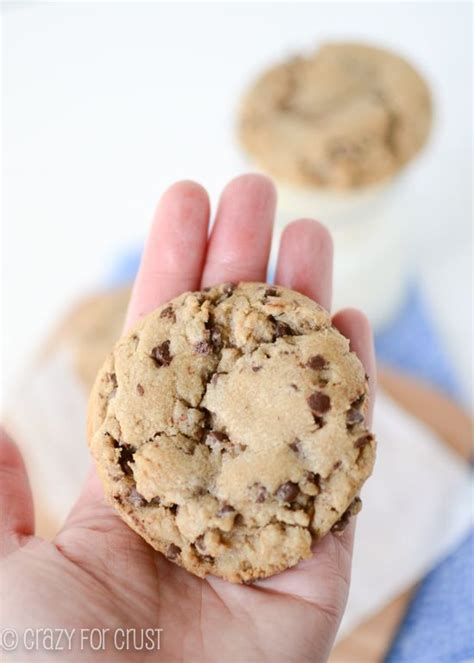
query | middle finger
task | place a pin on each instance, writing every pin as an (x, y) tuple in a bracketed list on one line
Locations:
[(240, 241)]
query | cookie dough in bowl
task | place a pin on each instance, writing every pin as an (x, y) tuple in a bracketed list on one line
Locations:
[(336, 128), (228, 429), (348, 116)]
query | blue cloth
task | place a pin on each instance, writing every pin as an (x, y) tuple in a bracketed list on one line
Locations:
[(412, 344), (124, 269), (439, 624)]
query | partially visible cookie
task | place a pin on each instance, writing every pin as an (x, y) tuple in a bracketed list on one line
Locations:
[(89, 330), (229, 429), (347, 116)]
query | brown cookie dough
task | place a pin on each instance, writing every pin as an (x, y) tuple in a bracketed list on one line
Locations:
[(347, 116), (228, 429)]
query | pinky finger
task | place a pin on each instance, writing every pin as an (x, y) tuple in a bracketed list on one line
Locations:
[(354, 325), (16, 503)]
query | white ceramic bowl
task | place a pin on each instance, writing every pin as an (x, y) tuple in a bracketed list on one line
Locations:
[(370, 270)]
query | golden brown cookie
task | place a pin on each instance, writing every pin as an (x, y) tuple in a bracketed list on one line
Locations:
[(347, 116), (228, 429)]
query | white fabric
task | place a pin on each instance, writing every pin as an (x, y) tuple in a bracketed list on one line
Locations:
[(416, 508), (47, 417)]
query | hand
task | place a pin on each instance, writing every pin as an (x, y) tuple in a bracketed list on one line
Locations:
[(97, 573)]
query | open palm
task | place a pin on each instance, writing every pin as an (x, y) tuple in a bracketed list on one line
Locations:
[(99, 574)]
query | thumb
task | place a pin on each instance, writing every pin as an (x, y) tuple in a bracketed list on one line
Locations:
[(323, 582), (16, 502)]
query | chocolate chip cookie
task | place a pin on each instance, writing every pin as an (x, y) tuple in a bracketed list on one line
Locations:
[(348, 115), (229, 429)]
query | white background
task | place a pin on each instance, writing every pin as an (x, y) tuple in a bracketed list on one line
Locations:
[(106, 104)]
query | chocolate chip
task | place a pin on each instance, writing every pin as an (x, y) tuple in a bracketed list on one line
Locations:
[(135, 498), (199, 543), (161, 354), (319, 421), (282, 329), (218, 436), (225, 510), (140, 390), (262, 494), (353, 417), (317, 363), (288, 491), (255, 369), (337, 465), (319, 402), (340, 525), (126, 457), (271, 292), (352, 510), (220, 443), (203, 348), (168, 313), (358, 401), (295, 445), (363, 441), (228, 288), (172, 551), (314, 478)]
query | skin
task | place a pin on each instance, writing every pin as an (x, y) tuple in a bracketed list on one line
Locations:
[(97, 573)]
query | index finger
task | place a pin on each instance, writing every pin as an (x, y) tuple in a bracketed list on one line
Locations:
[(174, 251)]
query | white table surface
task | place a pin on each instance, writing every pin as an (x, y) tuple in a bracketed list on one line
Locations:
[(104, 105)]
